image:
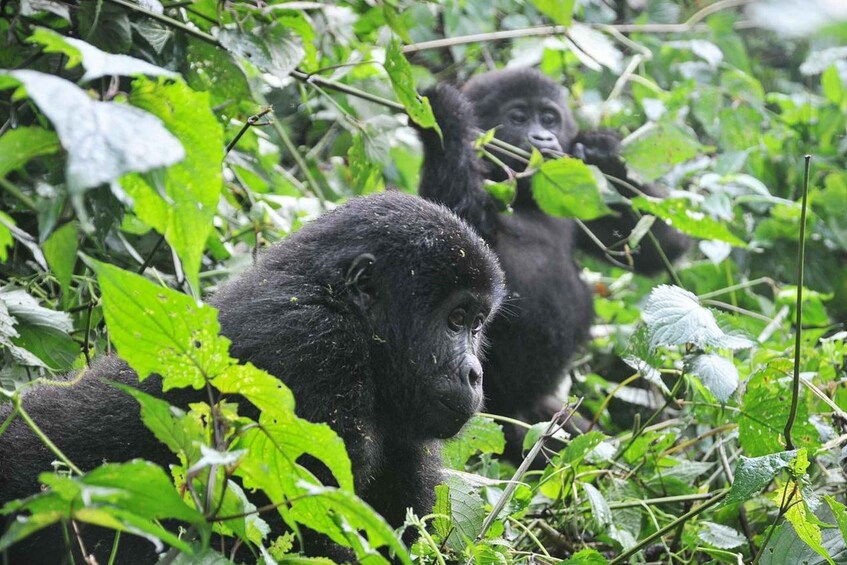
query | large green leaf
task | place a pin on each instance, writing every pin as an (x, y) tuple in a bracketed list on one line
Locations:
[(566, 187), (754, 474), (654, 149), (560, 11), (159, 330), (183, 206)]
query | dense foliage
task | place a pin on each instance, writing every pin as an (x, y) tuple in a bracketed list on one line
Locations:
[(148, 149)]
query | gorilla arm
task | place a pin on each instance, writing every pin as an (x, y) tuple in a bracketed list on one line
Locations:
[(601, 148), (452, 172)]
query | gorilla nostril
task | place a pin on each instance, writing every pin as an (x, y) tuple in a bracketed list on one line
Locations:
[(474, 374)]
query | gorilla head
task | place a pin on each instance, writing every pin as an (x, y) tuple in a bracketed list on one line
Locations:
[(527, 107), (371, 314)]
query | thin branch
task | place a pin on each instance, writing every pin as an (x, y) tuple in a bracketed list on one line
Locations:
[(801, 259)]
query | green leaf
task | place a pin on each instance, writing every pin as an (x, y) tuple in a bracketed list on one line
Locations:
[(130, 497), (367, 175), (566, 187), (654, 149), (55, 348), (677, 212), (183, 208), (468, 510), (400, 73), (290, 436), (717, 374), (97, 63), (804, 522), (158, 330), (182, 433), (754, 474), (443, 520), (480, 435), (6, 239), (839, 512), (503, 191), (272, 48), (560, 11), (104, 140), (60, 251), (586, 557), (674, 316), (833, 86), (18, 146), (765, 408)]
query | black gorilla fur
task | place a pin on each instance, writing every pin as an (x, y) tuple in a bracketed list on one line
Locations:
[(550, 308), (370, 314)]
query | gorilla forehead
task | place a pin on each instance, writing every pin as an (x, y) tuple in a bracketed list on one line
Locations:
[(407, 235), (491, 89)]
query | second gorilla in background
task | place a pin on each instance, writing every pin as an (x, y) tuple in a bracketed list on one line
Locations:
[(549, 310)]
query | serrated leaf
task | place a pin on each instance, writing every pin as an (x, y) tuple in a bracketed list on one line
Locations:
[(674, 316), (184, 211), (654, 149), (272, 48), (97, 63), (480, 435), (720, 536), (26, 309), (717, 374), (566, 187), (754, 474), (290, 436), (18, 146), (806, 525), (677, 212), (400, 73), (104, 140), (159, 330), (468, 510)]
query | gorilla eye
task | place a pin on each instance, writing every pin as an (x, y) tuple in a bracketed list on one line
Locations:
[(456, 319), (477, 324), (549, 119), (517, 116)]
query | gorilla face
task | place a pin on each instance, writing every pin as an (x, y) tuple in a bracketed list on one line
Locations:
[(532, 122)]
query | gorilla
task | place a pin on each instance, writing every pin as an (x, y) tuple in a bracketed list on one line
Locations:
[(372, 315), (549, 308)]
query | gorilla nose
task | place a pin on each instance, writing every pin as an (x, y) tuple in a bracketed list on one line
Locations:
[(474, 372), (544, 140)]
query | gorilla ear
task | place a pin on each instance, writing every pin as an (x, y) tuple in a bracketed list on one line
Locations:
[(358, 279)]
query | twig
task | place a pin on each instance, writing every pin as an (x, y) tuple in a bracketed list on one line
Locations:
[(801, 258), (251, 121), (43, 437)]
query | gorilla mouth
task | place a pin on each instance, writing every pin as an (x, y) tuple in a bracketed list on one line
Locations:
[(462, 413)]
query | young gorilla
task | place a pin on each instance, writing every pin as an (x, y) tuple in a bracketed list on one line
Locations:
[(550, 308), (372, 315)]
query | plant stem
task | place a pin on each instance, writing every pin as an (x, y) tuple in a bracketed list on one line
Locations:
[(801, 259), (43, 437), (623, 557)]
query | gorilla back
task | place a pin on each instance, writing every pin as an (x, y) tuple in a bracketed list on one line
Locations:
[(372, 316)]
